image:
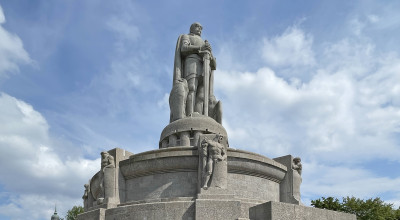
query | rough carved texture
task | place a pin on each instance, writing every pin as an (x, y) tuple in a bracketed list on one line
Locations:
[(213, 161)]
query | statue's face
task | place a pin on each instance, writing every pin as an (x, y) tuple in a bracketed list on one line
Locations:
[(196, 29)]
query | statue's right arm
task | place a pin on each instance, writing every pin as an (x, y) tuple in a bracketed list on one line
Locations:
[(187, 48)]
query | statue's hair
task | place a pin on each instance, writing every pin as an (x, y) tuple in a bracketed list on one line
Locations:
[(297, 158), (194, 25)]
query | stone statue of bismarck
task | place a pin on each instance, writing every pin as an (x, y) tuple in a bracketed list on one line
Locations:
[(192, 89)]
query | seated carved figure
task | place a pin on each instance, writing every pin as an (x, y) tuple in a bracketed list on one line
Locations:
[(107, 161)]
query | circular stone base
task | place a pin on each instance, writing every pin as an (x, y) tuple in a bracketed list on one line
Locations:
[(185, 131)]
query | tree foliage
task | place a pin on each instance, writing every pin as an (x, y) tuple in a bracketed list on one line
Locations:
[(368, 209), (74, 212)]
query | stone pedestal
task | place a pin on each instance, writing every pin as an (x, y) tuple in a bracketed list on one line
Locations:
[(186, 131), (163, 184)]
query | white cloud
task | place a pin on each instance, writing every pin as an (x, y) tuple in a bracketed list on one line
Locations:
[(342, 181), (12, 52), (292, 48), (33, 169), (348, 112)]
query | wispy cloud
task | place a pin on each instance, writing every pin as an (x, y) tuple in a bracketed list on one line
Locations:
[(12, 52), (292, 48), (32, 167)]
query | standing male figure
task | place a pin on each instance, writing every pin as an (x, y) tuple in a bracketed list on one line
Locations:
[(189, 64), (216, 153)]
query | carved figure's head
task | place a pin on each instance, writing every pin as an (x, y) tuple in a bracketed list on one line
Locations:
[(104, 154), (104, 159), (219, 138), (196, 28), (204, 144), (296, 160)]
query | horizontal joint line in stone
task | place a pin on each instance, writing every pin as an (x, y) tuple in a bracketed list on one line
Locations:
[(245, 172), (159, 172)]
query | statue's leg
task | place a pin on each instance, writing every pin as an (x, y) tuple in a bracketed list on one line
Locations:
[(192, 84), (208, 172), (199, 100)]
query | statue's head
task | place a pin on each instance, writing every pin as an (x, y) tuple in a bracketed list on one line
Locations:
[(196, 28), (219, 138), (104, 154), (296, 160)]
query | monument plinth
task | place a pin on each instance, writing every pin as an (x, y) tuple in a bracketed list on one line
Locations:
[(194, 174)]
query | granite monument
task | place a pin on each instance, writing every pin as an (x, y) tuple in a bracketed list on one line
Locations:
[(195, 174)]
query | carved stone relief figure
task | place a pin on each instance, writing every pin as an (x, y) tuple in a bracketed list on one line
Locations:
[(214, 155), (107, 174), (85, 197), (297, 169)]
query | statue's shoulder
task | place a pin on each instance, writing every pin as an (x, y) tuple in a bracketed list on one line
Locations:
[(184, 36)]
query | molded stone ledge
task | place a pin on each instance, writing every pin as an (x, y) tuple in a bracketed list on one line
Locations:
[(185, 159), (253, 156), (158, 165), (202, 123), (174, 199), (164, 152)]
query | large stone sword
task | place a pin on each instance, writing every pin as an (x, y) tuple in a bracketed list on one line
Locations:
[(206, 81)]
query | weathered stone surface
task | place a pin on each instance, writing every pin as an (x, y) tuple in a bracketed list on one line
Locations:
[(207, 209), (98, 214), (244, 162), (284, 211), (184, 210), (166, 185), (246, 187)]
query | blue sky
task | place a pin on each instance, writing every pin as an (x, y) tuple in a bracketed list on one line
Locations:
[(315, 79)]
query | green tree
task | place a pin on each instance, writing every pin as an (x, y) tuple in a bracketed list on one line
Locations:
[(74, 212), (370, 209)]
